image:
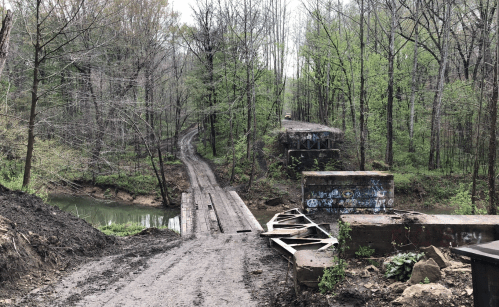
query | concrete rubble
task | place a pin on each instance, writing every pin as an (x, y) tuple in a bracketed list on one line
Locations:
[(425, 269), (435, 254), (429, 290)]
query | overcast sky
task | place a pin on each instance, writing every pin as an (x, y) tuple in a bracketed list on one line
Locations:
[(184, 8)]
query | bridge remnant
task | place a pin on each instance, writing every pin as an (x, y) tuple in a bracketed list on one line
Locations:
[(348, 192), (411, 230), (308, 145), (304, 243)]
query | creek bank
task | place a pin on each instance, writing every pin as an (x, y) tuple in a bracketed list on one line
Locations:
[(41, 243), (106, 193), (178, 183)]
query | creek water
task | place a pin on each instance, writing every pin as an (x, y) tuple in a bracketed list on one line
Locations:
[(101, 212)]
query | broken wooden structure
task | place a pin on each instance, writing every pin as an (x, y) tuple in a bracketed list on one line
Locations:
[(304, 242), (347, 192), (307, 145)]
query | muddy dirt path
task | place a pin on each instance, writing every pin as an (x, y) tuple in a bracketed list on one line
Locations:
[(208, 269)]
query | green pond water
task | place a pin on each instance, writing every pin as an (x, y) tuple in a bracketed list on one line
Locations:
[(100, 212)]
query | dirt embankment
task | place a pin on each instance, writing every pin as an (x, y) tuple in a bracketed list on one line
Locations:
[(40, 242)]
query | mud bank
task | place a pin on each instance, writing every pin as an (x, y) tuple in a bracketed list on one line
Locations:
[(104, 193)]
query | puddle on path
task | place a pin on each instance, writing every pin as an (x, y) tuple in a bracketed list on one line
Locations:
[(100, 212)]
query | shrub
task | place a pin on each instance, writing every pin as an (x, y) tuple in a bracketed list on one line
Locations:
[(364, 252), (335, 274), (401, 266), (462, 200)]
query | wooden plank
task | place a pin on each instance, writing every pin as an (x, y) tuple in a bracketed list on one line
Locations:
[(202, 227), (239, 219), (186, 215), (255, 225), (225, 214)]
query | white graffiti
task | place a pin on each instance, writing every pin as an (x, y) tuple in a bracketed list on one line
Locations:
[(312, 203), (464, 237), (471, 237)]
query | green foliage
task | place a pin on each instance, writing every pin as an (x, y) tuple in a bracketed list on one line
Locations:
[(122, 230), (343, 236), (335, 274), (315, 166), (138, 184), (275, 170), (332, 165), (400, 266), (364, 252), (426, 280), (462, 202)]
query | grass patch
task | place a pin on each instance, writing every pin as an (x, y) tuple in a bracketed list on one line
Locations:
[(123, 230)]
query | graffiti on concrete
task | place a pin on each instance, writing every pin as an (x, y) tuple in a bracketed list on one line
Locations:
[(424, 235), (456, 238), (348, 199)]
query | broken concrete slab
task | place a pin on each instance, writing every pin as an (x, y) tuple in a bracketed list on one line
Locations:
[(435, 254), (309, 266), (347, 192), (407, 231), (430, 290), (425, 269)]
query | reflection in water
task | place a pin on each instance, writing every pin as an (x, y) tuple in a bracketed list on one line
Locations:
[(174, 223), (100, 212)]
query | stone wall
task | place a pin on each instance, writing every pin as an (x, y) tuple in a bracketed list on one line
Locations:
[(348, 192)]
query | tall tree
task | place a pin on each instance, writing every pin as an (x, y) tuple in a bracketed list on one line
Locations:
[(50, 25)]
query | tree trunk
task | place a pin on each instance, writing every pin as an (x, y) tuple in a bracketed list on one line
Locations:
[(413, 81), (389, 105), (362, 89), (434, 159), (34, 101), (4, 39), (492, 140)]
